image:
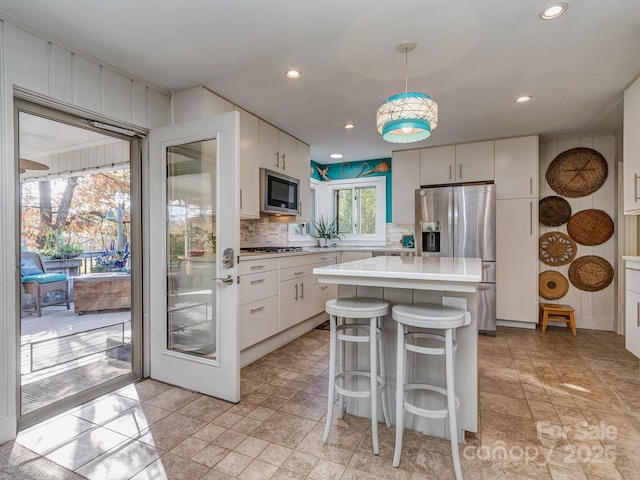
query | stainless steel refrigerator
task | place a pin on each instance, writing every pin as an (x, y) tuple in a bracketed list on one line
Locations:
[(460, 221)]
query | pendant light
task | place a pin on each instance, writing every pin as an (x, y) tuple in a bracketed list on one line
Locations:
[(410, 116)]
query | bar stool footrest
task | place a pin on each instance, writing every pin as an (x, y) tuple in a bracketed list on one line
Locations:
[(424, 412), (357, 393), (426, 350), (356, 338)]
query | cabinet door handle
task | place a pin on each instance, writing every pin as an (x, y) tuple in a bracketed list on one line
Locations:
[(257, 267), (254, 310), (325, 258), (277, 159), (461, 171), (324, 287), (531, 185), (531, 218), (253, 282), (449, 172), (298, 273), (301, 290), (240, 199), (638, 314), (296, 299), (284, 161)]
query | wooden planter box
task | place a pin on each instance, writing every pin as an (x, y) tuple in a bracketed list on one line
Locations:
[(102, 292)]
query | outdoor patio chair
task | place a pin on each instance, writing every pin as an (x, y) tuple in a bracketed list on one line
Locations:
[(39, 283)]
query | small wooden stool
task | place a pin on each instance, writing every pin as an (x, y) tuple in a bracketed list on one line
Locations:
[(561, 313)]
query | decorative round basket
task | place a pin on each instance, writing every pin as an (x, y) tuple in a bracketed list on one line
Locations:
[(554, 211), (556, 249), (552, 285), (590, 273), (577, 172), (590, 227)]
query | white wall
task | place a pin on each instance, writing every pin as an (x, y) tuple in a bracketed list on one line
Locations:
[(82, 85), (595, 310)]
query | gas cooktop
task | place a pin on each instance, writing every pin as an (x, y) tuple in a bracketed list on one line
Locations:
[(271, 249)]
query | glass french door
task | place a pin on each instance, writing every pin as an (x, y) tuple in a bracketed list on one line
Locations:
[(194, 240)]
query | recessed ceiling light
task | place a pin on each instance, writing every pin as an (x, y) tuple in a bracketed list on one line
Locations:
[(553, 11), (293, 73), (523, 99), (349, 126), (336, 155)]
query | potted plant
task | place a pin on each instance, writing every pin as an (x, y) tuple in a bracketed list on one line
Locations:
[(324, 231)]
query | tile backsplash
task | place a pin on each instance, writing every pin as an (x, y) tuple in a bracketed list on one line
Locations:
[(263, 233)]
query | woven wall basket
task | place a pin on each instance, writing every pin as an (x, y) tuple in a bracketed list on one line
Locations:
[(556, 249), (554, 211), (577, 172), (552, 285), (590, 273), (590, 227)]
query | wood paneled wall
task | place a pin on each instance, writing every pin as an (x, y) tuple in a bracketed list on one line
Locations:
[(596, 310)]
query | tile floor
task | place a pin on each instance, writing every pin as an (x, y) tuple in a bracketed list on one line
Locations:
[(551, 407)]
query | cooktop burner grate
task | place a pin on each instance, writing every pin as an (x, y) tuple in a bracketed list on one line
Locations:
[(271, 249)]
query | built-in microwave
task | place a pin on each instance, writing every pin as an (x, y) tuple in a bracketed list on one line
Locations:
[(280, 194)]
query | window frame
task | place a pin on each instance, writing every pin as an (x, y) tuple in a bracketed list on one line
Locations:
[(379, 183)]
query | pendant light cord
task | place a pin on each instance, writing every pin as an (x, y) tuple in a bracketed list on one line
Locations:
[(406, 63)]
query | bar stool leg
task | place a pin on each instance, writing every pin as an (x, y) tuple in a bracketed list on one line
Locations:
[(400, 361), (383, 374), (332, 375), (451, 403), (373, 369), (343, 368)]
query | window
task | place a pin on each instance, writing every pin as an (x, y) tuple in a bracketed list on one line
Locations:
[(360, 207), (300, 231)]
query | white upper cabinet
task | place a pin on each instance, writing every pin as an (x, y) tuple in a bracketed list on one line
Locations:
[(468, 162), (631, 148), (277, 149), (249, 166), (405, 179), (303, 163), (475, 161), (516, 164), (437, 165)]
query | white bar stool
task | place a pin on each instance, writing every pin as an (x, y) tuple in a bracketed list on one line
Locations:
[(435, 317), (340, 310)]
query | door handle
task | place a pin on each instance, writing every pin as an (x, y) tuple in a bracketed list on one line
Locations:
[(296, 299), (253, 282), (277, 159), (228, 280), (301, 290), (284, 162)]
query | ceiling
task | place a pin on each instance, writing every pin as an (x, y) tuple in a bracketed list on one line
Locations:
[(474, 57)]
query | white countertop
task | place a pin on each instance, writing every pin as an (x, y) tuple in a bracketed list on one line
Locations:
[(310, 250), (404, 272)]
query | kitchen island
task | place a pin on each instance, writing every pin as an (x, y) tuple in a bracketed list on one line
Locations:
[(416, 280)]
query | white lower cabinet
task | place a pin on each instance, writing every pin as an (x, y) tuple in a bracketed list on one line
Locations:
[(632, 308), (259, 302), (517, 260), (323, 291), (352, 256), (296, 290)]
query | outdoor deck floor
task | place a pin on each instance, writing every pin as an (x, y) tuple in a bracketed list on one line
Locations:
[(62, 353)]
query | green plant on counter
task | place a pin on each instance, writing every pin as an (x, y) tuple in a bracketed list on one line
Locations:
[(323, 229)]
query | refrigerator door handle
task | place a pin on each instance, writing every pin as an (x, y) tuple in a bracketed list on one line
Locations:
[(450, 216)]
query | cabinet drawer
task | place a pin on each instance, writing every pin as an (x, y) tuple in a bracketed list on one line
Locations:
[(258, 285), (320, 259), (296, 261), (321, 293), (633, 279), (258, 320), (295, 272), (255, 266)]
